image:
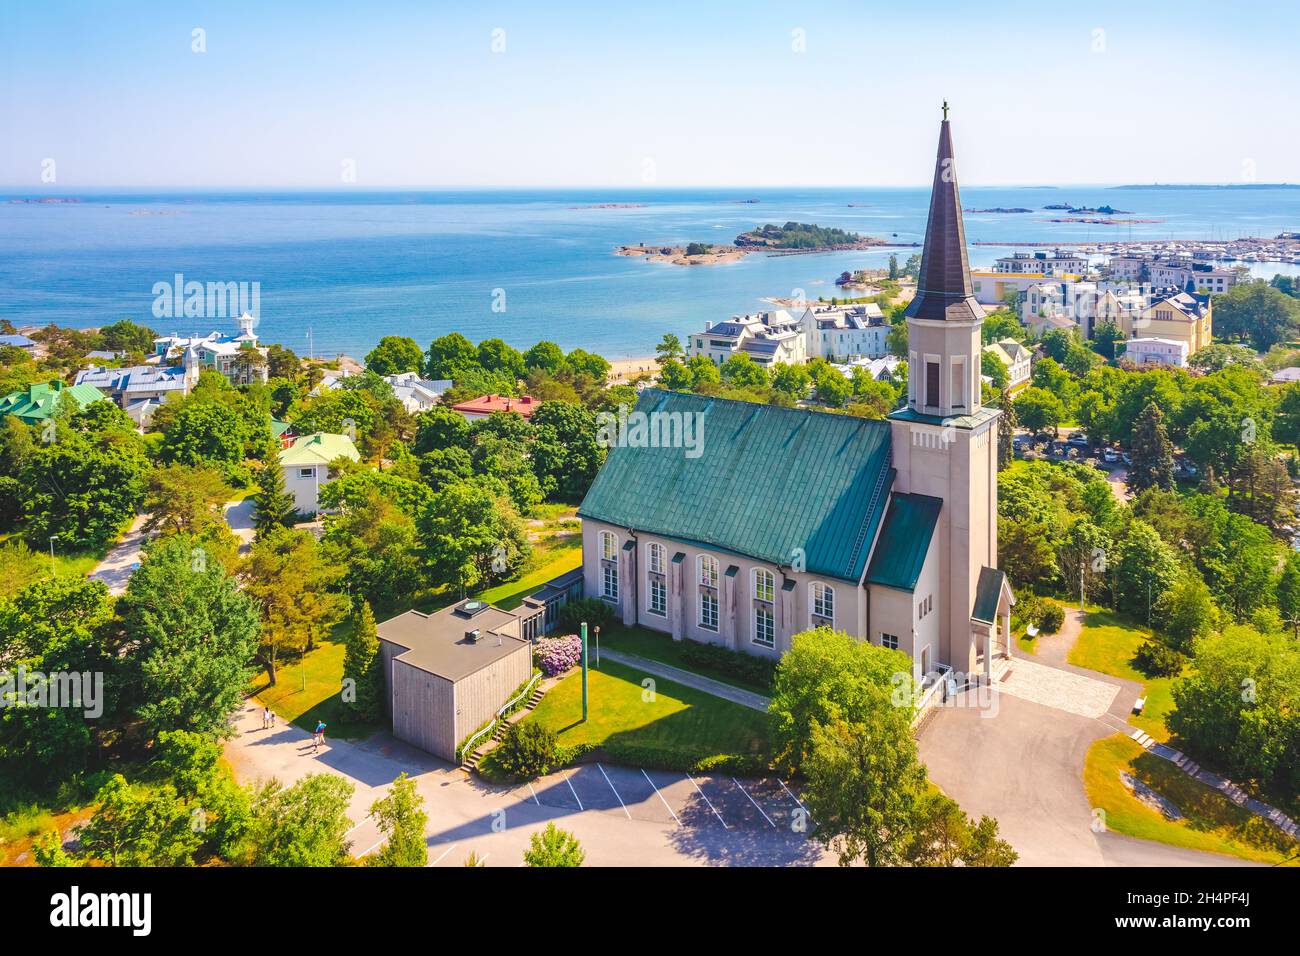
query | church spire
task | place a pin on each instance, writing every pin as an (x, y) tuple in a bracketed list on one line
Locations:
[(943, 290)]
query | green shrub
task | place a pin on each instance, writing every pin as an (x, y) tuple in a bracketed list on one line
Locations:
[(528, 750), (593, 611), (1158, 660), (1051, 618), (749, 668), (1027, 610)]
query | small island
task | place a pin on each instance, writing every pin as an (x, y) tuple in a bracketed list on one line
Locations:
[(793, 238), (1000, 209)]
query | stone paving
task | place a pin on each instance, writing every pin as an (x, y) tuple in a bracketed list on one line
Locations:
[(1072, 693)]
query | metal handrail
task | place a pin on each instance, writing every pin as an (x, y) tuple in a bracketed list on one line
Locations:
[(527, 687)]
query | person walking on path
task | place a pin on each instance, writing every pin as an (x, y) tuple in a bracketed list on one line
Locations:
[(318, 737), (265, 711)]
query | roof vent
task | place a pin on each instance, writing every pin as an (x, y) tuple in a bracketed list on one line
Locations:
[(472, 636)]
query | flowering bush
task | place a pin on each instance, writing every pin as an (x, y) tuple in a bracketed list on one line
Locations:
[(558, 654)]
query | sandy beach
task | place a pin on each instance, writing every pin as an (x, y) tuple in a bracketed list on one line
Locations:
[(622, 370)]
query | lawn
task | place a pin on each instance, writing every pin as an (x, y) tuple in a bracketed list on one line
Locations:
[(672, 727), (310, 690), (1212, 822), (655, 646), (1107, 644)]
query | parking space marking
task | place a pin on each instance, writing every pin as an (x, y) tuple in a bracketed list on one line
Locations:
[(711, 806), (794, 798), (359, 825), (375, 847), (614, 788), (754, 802), (659, 795), (443, 853), (571, 790), (482, 861), (534, 793)]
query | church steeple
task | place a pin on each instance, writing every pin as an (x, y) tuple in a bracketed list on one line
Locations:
[(943, 319), (943, 290)]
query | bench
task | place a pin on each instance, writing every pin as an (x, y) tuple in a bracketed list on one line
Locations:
[(1139, 704)]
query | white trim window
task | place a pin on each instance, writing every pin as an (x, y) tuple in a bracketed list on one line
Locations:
[(764, 609), (656, 586), (707, 568), (889, 640), (609, 565), (822, 602)]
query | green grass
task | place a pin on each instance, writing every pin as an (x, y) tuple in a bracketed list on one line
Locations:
[(1108, 644), (654, 646), (320, 697), (511, 594), (673, 727), (1212, 823)]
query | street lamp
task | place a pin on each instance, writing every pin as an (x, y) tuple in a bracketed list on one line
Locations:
[(52, 571)]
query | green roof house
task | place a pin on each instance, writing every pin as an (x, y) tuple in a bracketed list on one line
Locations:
[(38, 402), (742, 525), (306, 466)]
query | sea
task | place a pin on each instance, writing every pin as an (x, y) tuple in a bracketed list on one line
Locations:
[(337, 270)]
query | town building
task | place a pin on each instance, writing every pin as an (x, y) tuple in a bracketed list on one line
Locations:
[(416, 394), (38, 402), (1153, 351), (1017, 359), (843, 333), (140, 389), (448, 673), (1183, 272), (879, 369), (486, 405), (1056, 263), (306, 466), (1002, 288), (766, 337), (225, 354), (15, 341), (1175, 315), (784, 519)]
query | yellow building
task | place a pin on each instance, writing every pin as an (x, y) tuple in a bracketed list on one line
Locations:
[(1182, 317)]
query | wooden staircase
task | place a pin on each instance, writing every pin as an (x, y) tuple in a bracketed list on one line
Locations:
[(470, 763)]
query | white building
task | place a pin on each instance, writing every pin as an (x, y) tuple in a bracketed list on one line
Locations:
[(306, 466), (1015, 357), (1156, 352), (219, 351), (416, 394), (1056, 263), (767, 337), (845, 332)]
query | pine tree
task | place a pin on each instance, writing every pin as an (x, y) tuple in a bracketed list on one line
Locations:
[(1007, 423), (1152, 452), (273, 505), (362, 664)]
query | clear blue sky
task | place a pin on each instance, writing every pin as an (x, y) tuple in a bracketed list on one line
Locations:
[(699, 93)]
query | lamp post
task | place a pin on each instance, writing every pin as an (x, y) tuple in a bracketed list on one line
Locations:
[(597, 647), (583, 630), (52, 571)]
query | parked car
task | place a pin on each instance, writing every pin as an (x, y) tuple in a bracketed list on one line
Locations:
[(1110, 456), (1078, 440), (1126, 458)]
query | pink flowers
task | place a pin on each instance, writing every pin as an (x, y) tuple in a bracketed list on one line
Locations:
[(557, 654)]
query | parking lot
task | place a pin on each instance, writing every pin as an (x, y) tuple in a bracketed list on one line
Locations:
[(705, 810)]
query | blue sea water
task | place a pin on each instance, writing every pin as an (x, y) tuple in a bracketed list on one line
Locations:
[(353, 266)]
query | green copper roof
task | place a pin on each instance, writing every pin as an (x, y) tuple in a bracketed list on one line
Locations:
[(38, 402), (767, 481), (279, 428), (319, 449), (987, 594), (985, 414), (904, 541)]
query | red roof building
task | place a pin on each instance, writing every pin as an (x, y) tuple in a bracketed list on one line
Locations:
[(485, 405)]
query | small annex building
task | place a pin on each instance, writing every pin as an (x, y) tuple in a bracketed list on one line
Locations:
[(447, 673)]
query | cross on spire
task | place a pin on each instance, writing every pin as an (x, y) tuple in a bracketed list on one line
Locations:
[(945, 111)]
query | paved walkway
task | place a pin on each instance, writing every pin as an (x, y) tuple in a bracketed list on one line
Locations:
[(694, 681), (239, 515), (1052, 687), (123, 558)]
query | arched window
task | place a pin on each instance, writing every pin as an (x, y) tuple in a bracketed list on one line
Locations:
[(707, 568), (657, 587), (823, 603), (764, 608), (609, 565)]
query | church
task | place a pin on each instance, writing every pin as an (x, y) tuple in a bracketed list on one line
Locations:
[(784, 519)]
